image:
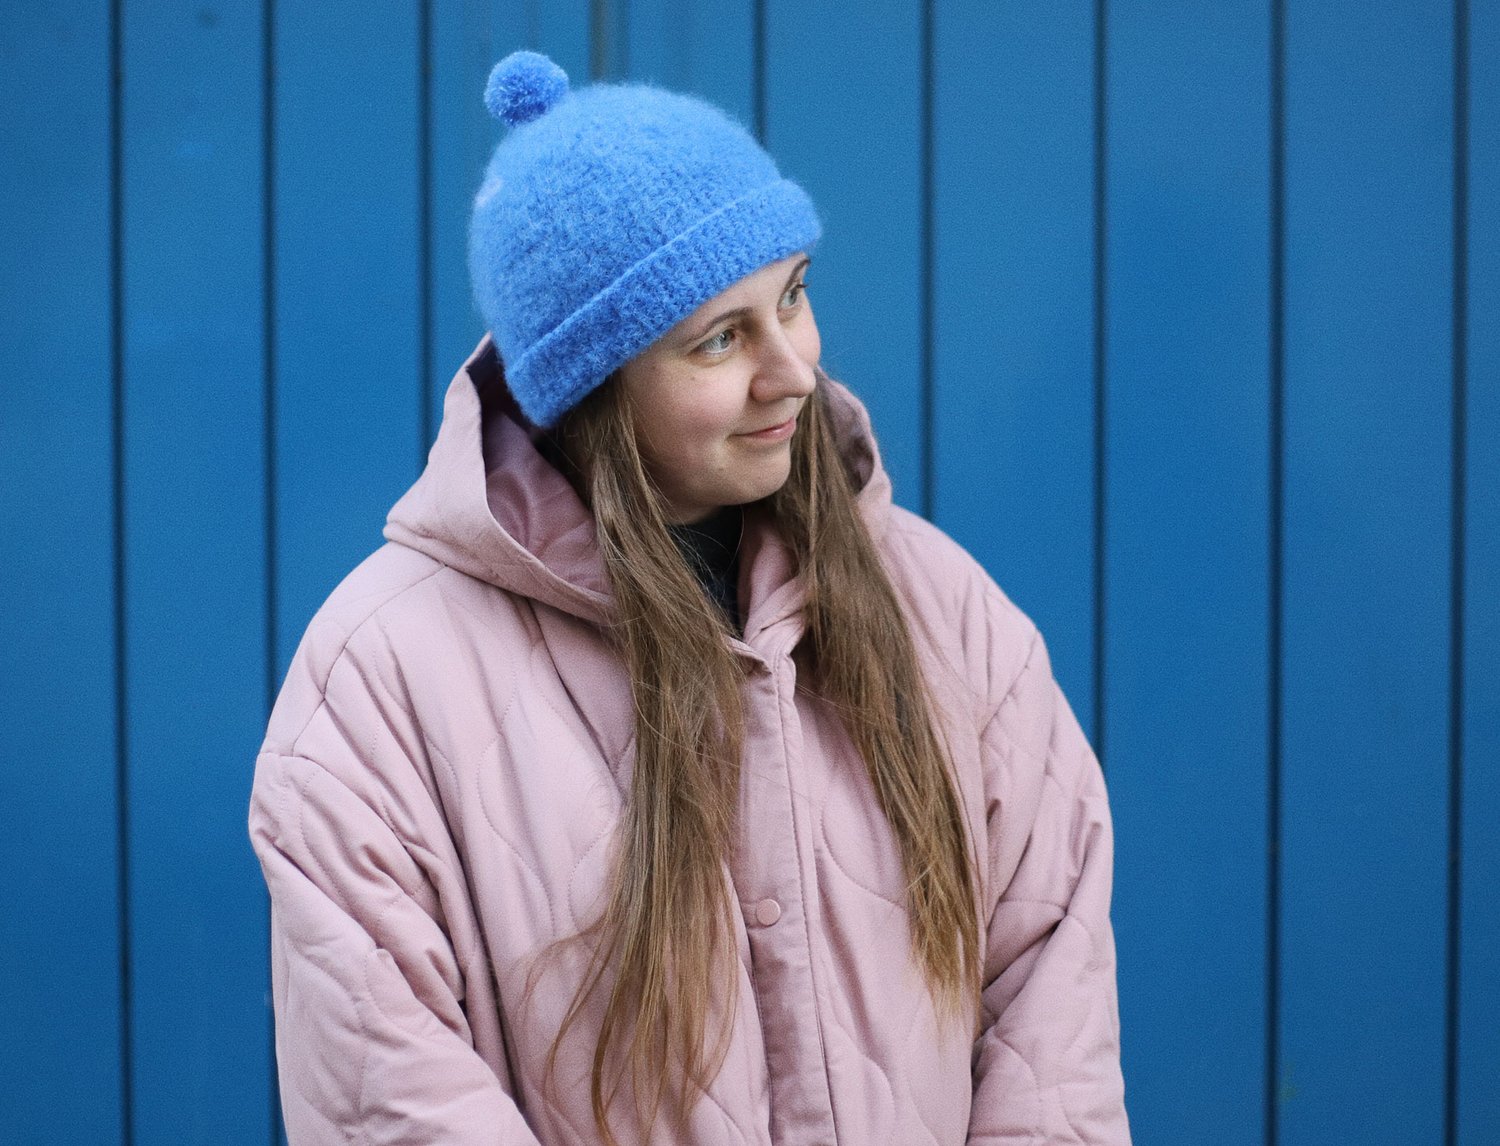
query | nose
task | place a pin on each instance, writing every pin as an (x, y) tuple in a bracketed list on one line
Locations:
[(785, 369)]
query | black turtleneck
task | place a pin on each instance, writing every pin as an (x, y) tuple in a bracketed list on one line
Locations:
[(712, 548)]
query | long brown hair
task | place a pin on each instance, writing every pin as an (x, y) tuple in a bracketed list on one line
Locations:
[(667, 929)]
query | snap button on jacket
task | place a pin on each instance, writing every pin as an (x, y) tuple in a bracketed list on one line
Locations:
[(435, 803)]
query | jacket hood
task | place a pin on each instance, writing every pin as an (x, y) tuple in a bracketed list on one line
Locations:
[(489, 503)]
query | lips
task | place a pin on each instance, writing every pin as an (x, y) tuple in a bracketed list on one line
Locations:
[(773, 433), (776, 431)]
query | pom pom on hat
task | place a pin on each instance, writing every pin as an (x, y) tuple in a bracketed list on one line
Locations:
[(524, 86)]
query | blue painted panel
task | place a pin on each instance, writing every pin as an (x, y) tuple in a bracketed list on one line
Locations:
[(1013, 310), (467, 39), (1365, 727), (695, 46), (1187, 561), (347, 283), (609, 39), (195, 520), (560, 28), (59, 951), (1479, 1011), (846, 125)]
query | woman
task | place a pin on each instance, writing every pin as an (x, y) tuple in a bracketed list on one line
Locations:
[(659, 779)]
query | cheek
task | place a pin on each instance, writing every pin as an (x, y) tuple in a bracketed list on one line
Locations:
[(700, 420), (683, 439), (664, 406)]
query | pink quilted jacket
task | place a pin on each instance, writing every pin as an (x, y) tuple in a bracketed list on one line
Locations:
[(436, 796)]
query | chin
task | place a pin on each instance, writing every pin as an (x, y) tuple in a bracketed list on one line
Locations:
[(765, 487), (737, 489)]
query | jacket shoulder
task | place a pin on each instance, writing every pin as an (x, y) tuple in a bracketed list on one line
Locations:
[(385, 611), (971, 622)]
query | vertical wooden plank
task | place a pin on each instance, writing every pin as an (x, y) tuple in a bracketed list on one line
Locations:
[(692, 46), (1368, 292), (609, 39), (1479, 952), (195, 527), (561, 30), (1013, 314), (847, 126), (1187, 564), (59, 949), (347, 290), (467, 39)]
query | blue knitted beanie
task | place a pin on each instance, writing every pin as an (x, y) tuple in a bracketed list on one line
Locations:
[(607, 215)]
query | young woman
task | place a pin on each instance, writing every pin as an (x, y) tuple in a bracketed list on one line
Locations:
[(659, 779)]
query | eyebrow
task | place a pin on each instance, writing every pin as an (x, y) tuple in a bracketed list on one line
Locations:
[(740, 311)]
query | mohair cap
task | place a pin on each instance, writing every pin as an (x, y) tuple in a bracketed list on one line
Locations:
[(607, 215)]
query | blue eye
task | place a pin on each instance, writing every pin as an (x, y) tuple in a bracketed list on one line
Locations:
[(794, 294), (719, 342)]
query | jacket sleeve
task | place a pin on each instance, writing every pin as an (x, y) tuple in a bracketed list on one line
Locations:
[(1047, 1061), (372, 1042)]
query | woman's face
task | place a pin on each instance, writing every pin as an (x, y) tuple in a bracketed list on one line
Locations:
[(715, 399)]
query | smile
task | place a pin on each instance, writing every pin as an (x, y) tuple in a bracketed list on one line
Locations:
[(777, 433)]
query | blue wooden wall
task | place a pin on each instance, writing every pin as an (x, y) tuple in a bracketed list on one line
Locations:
[(1184, 317)]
